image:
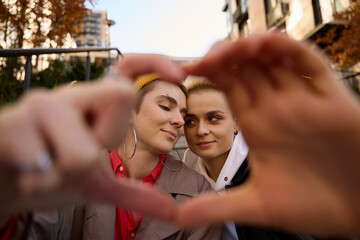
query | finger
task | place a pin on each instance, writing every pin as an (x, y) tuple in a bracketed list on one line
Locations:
[(259, 85), (241, 205), (219, 49), (25, 150), (21, 162), (18, 128), (288, 80), (231, 66), (72, 147), (106, 107), (237, 93), (67, 137), (134, 65), (228, 65), (215, 59), (299, 57), (102, 186)]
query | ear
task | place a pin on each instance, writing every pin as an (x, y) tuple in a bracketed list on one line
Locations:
[(133, 117), (236, 127)]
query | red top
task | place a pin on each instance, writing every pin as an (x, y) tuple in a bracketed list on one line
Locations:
[(8, 230), (125, 228)]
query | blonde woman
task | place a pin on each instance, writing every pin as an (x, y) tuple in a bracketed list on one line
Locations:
[(217, 149)]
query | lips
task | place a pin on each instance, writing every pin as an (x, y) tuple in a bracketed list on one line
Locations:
[(203, 144), (170, 134)]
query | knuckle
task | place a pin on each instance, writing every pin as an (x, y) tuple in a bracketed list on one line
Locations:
[(36, 97)]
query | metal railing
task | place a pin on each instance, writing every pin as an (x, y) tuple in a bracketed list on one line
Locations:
[(28, 53)]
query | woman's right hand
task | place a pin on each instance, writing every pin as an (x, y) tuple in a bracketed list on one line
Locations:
[(51, 145)]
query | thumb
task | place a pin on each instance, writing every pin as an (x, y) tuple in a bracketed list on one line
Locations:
[(133, 65), (241, 205)]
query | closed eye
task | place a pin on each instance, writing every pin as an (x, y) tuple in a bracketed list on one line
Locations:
[(163, 107)]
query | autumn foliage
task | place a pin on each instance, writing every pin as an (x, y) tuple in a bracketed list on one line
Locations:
[(342, 42), (40, 21)]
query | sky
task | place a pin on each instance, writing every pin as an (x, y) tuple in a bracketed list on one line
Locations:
[(179, 28)]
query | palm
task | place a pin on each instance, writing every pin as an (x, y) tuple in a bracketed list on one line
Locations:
[(285, 108)]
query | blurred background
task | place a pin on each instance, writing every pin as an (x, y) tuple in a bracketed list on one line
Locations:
[(50, 42)]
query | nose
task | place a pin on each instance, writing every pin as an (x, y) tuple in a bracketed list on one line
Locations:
[(202, 129), (177, 119)]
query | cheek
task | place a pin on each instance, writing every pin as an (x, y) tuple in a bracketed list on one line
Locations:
[(224, 134), (189, 135), (227, 141), (181, 131), (149, 116)]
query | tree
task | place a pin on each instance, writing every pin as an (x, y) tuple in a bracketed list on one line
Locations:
[(63, 72), (342, 42), (40, 21), (35, 22), (10, 87)]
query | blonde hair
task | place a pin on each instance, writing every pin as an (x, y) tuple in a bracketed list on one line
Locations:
[(198, 83)]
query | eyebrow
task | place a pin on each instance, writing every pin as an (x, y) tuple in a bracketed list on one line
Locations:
[(207, 114), (172, 101), (190, 115), (214, 112)]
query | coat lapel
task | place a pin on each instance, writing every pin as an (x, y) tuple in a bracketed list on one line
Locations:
[(180, 185), (99, 221)]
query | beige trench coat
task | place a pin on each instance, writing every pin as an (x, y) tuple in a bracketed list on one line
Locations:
[(97, 221)]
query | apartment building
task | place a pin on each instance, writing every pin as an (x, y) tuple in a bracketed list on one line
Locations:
[(95, 30), (300, 19)]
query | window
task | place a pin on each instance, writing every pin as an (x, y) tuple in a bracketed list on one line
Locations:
[(270, 5), (276, 11), (341, 5), (317, 12), (241, 14), (90, 43), (242, 5)]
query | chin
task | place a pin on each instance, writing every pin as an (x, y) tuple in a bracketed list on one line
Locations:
[(205, 154), (165, 149)]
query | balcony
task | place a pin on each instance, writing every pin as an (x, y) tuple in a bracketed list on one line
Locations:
[(277, 14)]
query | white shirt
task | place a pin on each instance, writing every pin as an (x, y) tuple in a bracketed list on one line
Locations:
[(233, 162)]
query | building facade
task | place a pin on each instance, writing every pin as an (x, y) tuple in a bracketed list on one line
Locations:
[(300, 19), (95, 30)]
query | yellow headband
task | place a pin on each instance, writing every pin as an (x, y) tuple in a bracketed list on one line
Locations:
[(144, 79)]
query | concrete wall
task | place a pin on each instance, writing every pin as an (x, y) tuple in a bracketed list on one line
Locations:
[(179, 148)]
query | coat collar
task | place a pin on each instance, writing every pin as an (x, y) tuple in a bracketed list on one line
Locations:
[(181, 184), (183, 181), (100, 218)]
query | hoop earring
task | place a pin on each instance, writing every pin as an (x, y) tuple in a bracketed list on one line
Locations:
[(170, 169), (135, 141)]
